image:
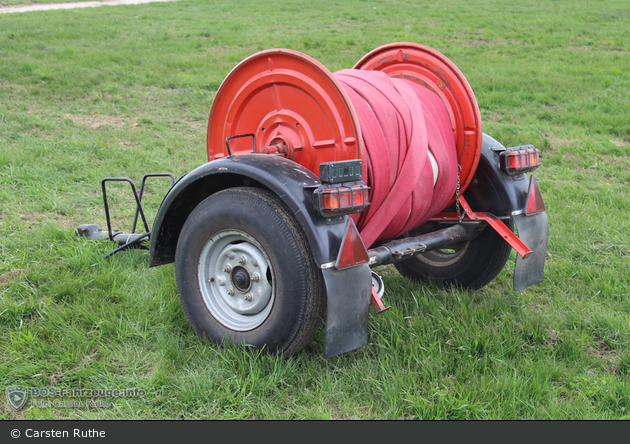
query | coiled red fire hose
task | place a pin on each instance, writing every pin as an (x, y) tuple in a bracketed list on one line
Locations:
[(410, 158), (405, 110)]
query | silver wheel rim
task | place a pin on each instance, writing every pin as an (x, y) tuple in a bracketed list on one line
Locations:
[(236, 280), (445, 257)]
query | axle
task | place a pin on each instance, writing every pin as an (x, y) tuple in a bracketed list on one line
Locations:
[(402, 249)]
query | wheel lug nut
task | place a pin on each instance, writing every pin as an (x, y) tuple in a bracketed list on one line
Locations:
[(221, 280), (255, 277), (227, 268), (242, 260), (248, 297), (230, 291)]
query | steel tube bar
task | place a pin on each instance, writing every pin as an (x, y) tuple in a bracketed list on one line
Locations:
[(402, 249)]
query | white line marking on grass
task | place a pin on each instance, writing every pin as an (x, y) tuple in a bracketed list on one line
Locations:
[(50, 6)]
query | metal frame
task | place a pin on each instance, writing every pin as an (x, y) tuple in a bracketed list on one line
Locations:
[(127, 240)]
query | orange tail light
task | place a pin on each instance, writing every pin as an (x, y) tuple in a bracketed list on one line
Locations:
[(520, 159)]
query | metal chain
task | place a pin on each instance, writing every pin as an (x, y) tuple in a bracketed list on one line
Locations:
[(460, 214)]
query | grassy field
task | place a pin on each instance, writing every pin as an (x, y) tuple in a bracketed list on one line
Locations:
[(123, 91)]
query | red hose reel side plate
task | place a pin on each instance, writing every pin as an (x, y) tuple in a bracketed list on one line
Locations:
[(284, 96), (428, 67)]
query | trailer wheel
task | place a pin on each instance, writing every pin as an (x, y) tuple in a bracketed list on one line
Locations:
[(472, 264), (245, 273)]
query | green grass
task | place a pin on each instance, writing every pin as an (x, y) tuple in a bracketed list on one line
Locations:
[(126, 90)]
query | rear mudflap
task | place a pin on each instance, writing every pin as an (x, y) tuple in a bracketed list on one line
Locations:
[(533, 230), (349, 292)]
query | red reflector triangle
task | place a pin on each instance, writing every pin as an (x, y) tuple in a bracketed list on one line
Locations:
[(352, 251), (535, 202)]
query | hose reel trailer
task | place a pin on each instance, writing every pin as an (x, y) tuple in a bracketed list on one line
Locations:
[(313, 178)]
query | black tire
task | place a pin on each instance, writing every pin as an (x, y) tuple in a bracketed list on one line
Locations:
[(472, 264), (254, 226)]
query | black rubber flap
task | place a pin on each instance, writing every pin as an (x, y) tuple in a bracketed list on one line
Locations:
[(533, 230), (348, 297)]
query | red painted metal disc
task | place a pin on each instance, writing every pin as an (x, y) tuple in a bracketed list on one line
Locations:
[(284, 96), (428, 67)]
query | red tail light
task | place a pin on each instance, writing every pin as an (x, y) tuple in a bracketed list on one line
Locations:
[(535, 202), (352, 250), (520, 159), (336, 201)]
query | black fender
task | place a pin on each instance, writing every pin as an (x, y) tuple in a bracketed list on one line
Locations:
[(348, 307), (290, 181), (492, 190)]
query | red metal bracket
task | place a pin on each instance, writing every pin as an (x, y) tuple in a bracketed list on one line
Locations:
[(377, 303), (507, 234)]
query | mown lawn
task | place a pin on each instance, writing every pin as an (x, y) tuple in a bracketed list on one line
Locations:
[(122, 91)]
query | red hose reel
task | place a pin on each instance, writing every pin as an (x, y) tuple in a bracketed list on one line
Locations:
[(295, 106)]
